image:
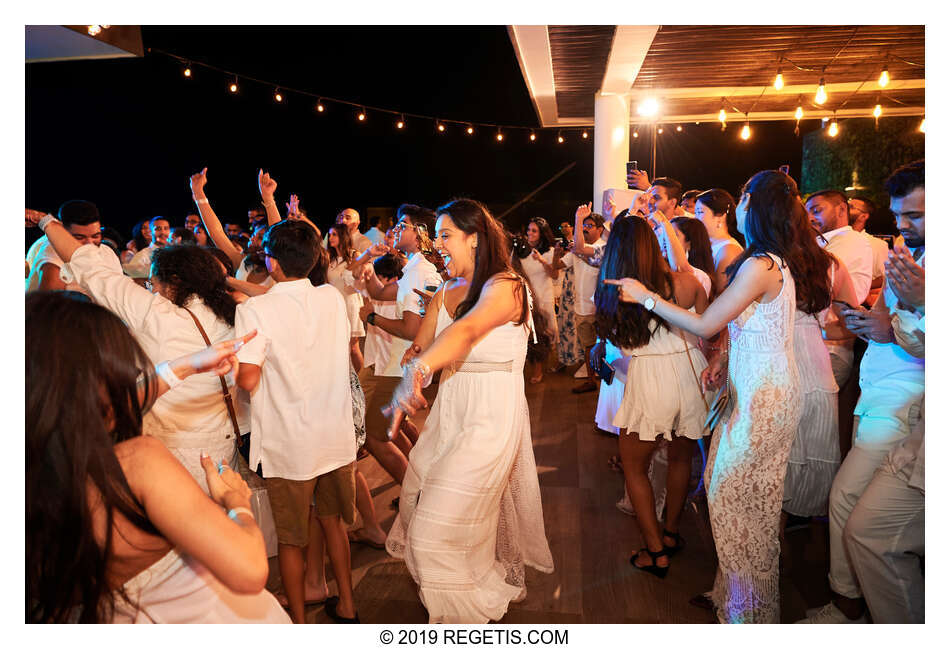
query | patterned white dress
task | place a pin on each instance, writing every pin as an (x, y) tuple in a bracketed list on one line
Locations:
[(745, 474), (470, 516)]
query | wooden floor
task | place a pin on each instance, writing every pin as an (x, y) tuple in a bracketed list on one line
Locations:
[(589, 538)]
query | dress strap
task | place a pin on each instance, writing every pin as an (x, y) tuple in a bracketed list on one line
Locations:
[(530, 298)]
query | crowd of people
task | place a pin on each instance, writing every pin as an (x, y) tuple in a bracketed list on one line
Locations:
[(768, 350)]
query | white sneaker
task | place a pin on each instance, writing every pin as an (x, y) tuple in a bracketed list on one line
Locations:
[(830, 614)]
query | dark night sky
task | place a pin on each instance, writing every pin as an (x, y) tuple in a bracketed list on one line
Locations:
[(127, 133)]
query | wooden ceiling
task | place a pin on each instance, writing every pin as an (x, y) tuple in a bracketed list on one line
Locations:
[(690, 68)]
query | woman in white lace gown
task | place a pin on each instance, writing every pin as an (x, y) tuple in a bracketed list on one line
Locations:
[(746, 470), (470, 516)]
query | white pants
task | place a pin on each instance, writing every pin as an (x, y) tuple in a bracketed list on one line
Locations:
[(884, 538)]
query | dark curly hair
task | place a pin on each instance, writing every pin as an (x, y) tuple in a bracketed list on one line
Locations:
[(546, 238), (776, 222), (632, 251), (190, 270)]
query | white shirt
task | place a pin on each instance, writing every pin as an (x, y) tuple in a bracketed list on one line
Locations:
[(301, 411), (585, 280), (141, 262), (43, 253), (418, 273), (186, 416), (375, 235), (854, 251), (879, 255), (541, 282), (378, 349)]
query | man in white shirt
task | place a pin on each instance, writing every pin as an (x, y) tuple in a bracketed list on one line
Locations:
[(47, 270), (302, 433), (375, 234), (138, 267), (588, 243), (351, 219), (859, 209), (413, 226), (892, 392)]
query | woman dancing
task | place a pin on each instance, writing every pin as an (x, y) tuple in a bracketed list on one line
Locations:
[(470, 510), (746, 471)]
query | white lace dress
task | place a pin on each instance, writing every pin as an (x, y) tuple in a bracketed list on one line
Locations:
[(745, 473), (470, 516)]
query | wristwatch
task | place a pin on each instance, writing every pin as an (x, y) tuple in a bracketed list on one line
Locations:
[(371, 318), (649, 303)]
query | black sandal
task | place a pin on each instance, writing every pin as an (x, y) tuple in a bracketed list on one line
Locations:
[(330, 609), (680, 543), (655, 570)]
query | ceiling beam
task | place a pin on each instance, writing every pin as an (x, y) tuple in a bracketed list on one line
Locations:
[(627, 53), (755, 91), (533, 50)]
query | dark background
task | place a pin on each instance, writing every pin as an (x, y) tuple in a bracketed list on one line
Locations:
[(127, 133)]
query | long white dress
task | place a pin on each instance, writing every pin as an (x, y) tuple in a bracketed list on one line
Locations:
[(470, 516), (342, 280), (745, 474), (815, 455), (543, 287)]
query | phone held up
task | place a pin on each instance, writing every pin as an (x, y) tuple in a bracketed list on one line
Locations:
[(631, 167)]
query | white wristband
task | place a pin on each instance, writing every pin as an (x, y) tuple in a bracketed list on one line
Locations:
[(234, 511), (46, 220), (201, 201), (164, 370)]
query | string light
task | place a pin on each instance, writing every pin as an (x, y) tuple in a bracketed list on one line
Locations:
[(584, 135), (277, 96), (532, 137), (833, 127), (877, 111), (779, 82), (649, 107), (636, 134), (234, 86), (923, 126), (884, 79), (470, 130), (560, 138), (722, 113), (187, 71), (362, 116), (820, 95), (746, 131), (660, 130), (499, 136), (95, 30), (679, 128), (441, 127), (320, 108), (402, 122), (799, 113)]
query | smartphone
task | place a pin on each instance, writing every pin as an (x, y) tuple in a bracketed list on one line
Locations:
[(560, 241), (631, 166)]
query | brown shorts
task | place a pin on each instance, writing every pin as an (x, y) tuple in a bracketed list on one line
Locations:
[(584, 326), (333, 494), (379, 391)]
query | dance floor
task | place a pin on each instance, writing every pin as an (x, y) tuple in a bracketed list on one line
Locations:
[(591, 540)]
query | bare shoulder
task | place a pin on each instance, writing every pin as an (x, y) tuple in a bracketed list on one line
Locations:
[(145, 461)]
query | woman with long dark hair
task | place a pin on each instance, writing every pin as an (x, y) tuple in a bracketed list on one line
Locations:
[(661, 396), (340, 275), (470, 510), (716, 209), (748, 457), (184, 307), (541, 272), (116, 529), (141, 238)]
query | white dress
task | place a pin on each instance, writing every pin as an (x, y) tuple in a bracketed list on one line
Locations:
[(542, 286), (745, 473), (176, 589), (342, 280), (470, 516), (815, 455)]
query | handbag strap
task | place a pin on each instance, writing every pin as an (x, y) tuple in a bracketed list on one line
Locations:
[(224, 384), (699, 384)]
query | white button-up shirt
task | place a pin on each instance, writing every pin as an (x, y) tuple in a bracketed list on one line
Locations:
[(302, 410), (141, 263), (194, 413), (854, 251), (585, 280)]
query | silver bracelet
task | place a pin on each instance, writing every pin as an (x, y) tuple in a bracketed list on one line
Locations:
[(415, 365), (45, 221), (234, 511), (165, 371)]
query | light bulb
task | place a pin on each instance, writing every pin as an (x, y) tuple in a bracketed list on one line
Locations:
[(470, 130), (532, 137), (635, 134), (799, 113), (820, 95), (233, 87), (746, 132), (499, 137), (923, 126), (361, 116), (659, 130), (187, 72), (400, 124), (884, 79), (779, 81), (679, 129), (94, 30), (648, 107), (877, 111), (722, 115), (560, 139), (584, 135), (441, 127), (833, 128), (278, 97), (319, 107)]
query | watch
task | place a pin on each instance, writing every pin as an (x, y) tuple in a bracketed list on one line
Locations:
[(371, 318), (649, 303)]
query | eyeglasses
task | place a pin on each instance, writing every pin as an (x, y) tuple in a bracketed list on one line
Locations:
[(588, 226)]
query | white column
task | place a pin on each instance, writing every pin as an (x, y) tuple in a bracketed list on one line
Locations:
[(611, 145)]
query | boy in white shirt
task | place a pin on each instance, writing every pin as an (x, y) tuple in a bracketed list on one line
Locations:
[(302, 434)]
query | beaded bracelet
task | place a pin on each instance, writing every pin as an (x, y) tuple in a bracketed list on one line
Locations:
[(234, 511)]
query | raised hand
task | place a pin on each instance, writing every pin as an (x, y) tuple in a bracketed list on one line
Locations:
[(198, 182), (583, 211), (640, 204), (33, 217), (293, 207), (638, 179), (609, 208), (266, 184), (379, 249)]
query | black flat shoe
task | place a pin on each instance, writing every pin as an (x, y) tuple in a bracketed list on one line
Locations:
[(680, 543), (655, 570), (330, 608)]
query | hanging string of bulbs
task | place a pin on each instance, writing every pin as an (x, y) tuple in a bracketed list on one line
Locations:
[(440, 124)]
